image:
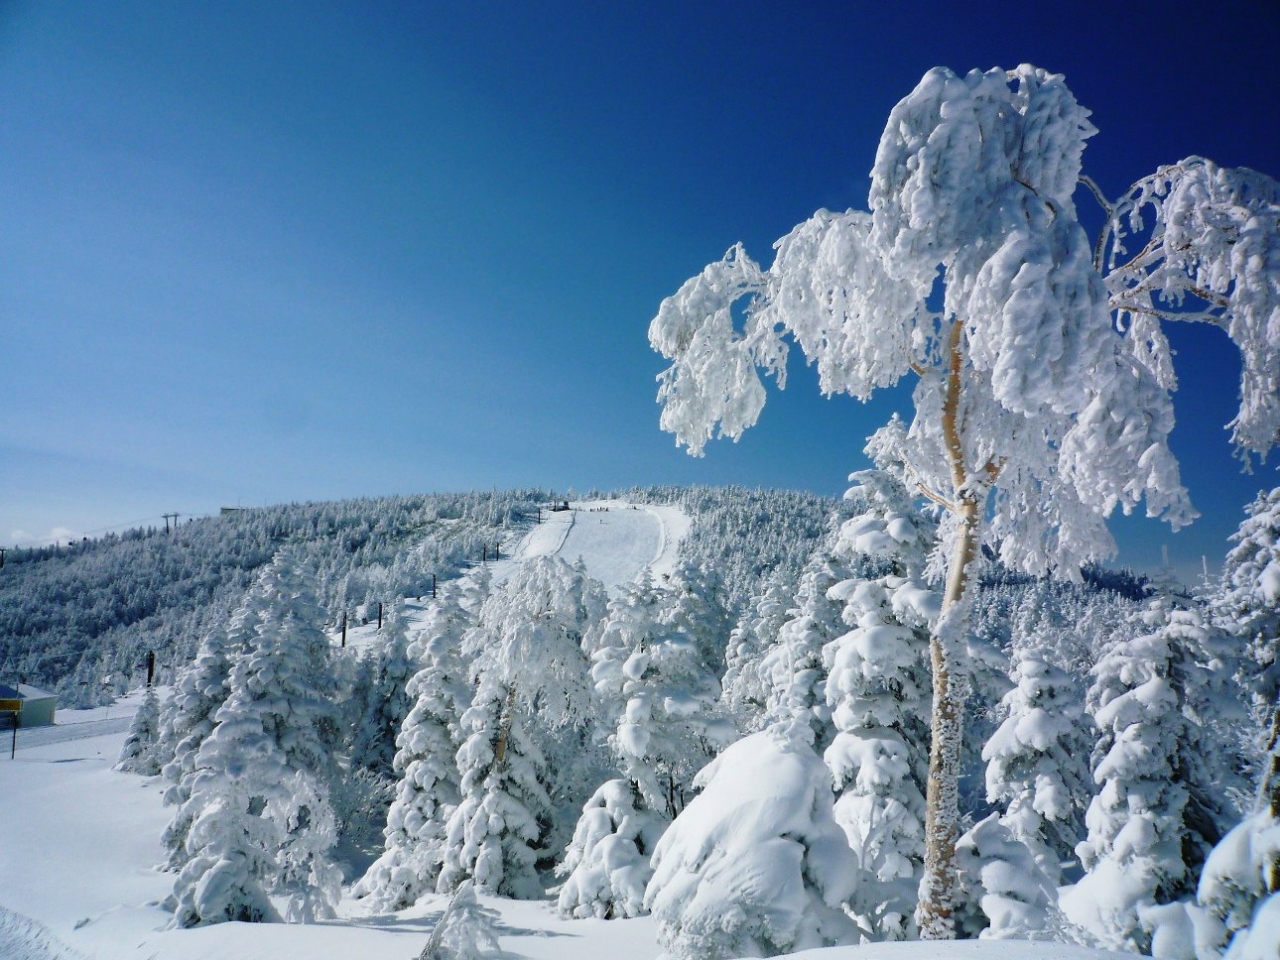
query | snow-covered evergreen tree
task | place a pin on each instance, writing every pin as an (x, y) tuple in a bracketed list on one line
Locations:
[(792, 669), (139, 753), (1164, 791), (606, 865), (755, 865), (190, 712), (744, 690), (494, 835), (878, 690), (386, 698), (259, 810), (468, 930), (530, 669), (1037, 760), (1002, 874), (425, 761)]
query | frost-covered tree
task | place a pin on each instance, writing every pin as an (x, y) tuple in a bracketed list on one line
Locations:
[(606, 865), (1163, 798), (139, 753), (494, 835), (1248, 607), (1037, 760), (792, 669), (877, 688), (387, 700), (531, 672), (468, 930), (259, 811), (190, 712), (427, 791), (1043, 391), (1017, 895), (755, 865), (744, 690)]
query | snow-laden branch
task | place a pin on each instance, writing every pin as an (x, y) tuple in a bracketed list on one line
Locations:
[(1214, 237)]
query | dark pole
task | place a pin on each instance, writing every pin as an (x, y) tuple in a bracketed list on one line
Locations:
[(497, 551), (433, 586), (151, 668), (484, 553), (344, 629), (13, 751), (379, 614)]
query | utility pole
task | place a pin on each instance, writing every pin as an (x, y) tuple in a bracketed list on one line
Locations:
[(344, 629), (379, 614), (151, 668), (166, 521), (2, 550), (433, 586)]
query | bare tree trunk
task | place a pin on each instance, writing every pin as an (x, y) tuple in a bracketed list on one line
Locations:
[(935, 914), (938, 890), (504, 729)]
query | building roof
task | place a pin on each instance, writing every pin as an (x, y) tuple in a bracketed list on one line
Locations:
[(24, 691)]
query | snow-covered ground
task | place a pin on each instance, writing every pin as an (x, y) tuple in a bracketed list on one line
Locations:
[(78, 845)]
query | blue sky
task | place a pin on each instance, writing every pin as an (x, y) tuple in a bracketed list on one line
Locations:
[(257, 253)]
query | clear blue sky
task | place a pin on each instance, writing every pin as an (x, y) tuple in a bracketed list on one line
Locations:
[(260, 252)]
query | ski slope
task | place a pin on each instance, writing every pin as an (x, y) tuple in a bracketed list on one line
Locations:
[(616, 541)]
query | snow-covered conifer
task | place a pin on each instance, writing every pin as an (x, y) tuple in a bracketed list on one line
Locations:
[(793, 670), (1037, 760), (531, 673), (755, 865), (494, 834), (139, 753), (468, 930), (744, 692), (1003, 875), (607, 863), (386, 698), (189, 713), (259, 806), (1164, 792), (425, 761), (1238, 877), (878, 689)]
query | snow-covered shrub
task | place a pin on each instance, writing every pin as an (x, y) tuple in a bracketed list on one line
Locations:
[(999, 872), (607, 863), (1237, 877), (139, 753), (468, 930), (755, 865)]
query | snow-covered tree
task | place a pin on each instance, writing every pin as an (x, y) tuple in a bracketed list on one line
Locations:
[(744, 691), (468, 930), (386, 698), (1037, 760), (427, 791), (877, 688), (1236, 880), (189, 714), (1248, 607), (792, 669), (755, 865), (1017, 895), (139, 753), (606, 865), (530, 669), (494, 834), (1163, 798), (259, 811), (1042, 400)]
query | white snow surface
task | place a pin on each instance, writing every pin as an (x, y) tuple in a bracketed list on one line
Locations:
[(84, 841)]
